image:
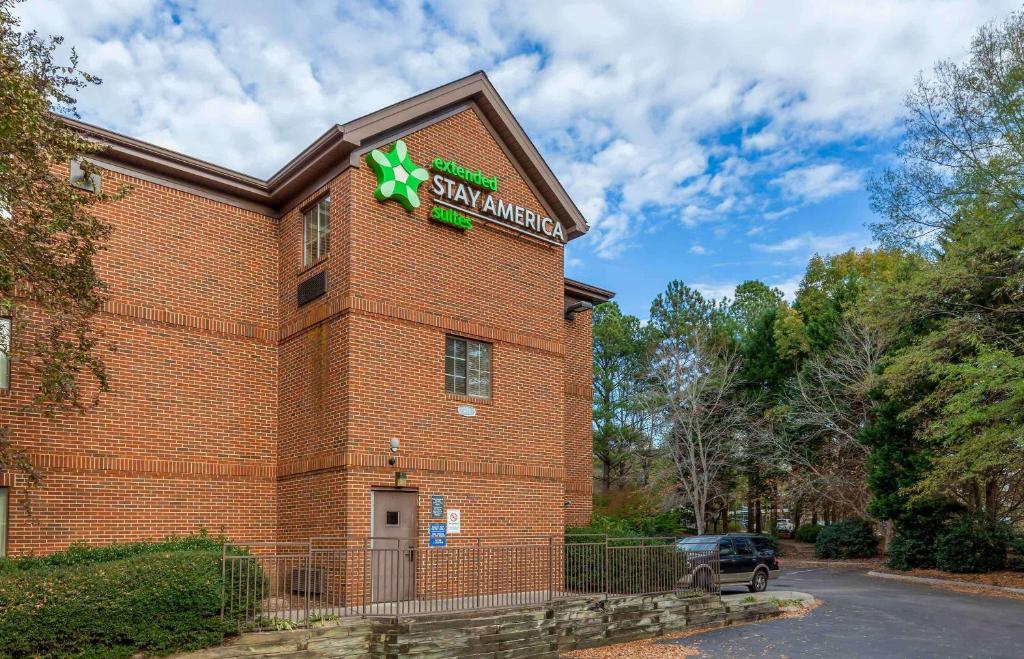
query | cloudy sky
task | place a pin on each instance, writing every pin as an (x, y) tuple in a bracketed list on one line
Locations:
[(710, 142)]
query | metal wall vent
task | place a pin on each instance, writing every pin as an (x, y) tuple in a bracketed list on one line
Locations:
[(312, 288)]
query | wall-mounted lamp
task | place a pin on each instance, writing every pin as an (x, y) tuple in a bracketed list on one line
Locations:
[(573, 309), (393, 445), (568, 503)]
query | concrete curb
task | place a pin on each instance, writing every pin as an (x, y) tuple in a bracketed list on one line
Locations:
[(798, 562), (945, 582)]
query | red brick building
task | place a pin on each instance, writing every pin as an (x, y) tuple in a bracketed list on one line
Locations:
[(328, 351)]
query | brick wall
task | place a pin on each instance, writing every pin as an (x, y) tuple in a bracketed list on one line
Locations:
[(235, 409), (186, 436)]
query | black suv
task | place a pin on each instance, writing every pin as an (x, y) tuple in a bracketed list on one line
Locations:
[(746, 559)]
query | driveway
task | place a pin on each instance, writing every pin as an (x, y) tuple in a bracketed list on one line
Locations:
[(862, 616)]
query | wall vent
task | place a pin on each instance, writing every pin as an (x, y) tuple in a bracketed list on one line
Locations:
[(312, 288)]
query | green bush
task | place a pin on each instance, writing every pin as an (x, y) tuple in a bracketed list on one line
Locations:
[(918, 528), (807, 533), (973, 544), (81, 605), (908, 551), (1016, 560), (851, 538), (81, 554)]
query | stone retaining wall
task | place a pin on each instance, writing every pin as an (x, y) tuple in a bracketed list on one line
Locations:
[(539, 631)]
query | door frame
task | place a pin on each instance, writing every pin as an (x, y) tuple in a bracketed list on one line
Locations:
[(412, 540)]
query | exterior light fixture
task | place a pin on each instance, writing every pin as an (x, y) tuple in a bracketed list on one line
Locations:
[(393, 445), (572, 310), (401, 478)]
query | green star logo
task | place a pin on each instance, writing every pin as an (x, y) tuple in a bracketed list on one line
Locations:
[(398, 176)]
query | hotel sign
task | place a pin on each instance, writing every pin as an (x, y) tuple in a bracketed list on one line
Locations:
[(460, 194)]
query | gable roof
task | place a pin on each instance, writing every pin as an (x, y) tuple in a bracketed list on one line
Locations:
[(336, 149)]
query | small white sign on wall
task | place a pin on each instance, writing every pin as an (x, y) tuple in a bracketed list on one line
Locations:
[(454, 521)]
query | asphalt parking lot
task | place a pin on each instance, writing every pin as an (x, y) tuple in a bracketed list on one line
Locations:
[(862, 616)]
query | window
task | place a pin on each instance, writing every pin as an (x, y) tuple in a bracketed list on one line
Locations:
[(725, 548), (392, 518), (5, 353), (744, 548), (316, 231), (3, 522), (467, 367)]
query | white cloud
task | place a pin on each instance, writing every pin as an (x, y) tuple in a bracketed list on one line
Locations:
[(717, 290), (816, 182), (626, 101), (809, 243), (698, 249)]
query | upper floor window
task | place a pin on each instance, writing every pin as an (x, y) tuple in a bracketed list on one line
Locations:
[(467, 367), (5, 353), (316, 231)]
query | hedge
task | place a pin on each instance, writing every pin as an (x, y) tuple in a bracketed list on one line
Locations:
[(973, 544), (851, 538), (76, 604), (807, 533)]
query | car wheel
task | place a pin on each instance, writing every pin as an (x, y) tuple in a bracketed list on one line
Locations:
[(759, 583), (704, 581)]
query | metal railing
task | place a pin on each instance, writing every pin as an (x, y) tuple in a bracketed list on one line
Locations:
[(294, 584)]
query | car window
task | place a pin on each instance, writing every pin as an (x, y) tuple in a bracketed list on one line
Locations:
[(743, 547), (725, 548)]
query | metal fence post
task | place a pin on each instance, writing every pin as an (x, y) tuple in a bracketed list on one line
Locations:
[(309, 570), (551, 567), (223, 577), (606, 564), (479, 571)]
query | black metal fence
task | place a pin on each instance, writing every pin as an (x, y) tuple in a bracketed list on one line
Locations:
[(295, 584)]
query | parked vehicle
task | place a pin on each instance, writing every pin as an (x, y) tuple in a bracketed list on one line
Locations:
[(785, 526), (741, 561), (764, 545)]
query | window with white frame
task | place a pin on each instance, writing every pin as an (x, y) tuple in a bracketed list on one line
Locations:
[(5, 353), (467, 367), (316, 231)]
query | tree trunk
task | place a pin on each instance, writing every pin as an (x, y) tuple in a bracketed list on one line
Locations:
[(757, 515), (750, 514), (814, 514)]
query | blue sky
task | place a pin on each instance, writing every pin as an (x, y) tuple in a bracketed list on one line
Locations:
[(710, 142)]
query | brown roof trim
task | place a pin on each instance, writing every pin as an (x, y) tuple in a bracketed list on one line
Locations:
[(586, 292), (338, 143)]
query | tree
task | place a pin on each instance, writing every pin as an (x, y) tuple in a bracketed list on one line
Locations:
[(704, 417), (621, 354), (755, 309), (957, 197), (694, 384), (48, 237), (817, 433)]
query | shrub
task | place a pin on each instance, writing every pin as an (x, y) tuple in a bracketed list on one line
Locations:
[(973, 544), (148, 601), (908, 551), (918, 528), (807, 533), (851, 538), (81, 554), (1016, 560)]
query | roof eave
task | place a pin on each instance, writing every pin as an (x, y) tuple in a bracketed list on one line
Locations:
[(335, 146)]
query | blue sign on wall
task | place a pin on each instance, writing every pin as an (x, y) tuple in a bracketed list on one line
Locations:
[(439, 535)]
